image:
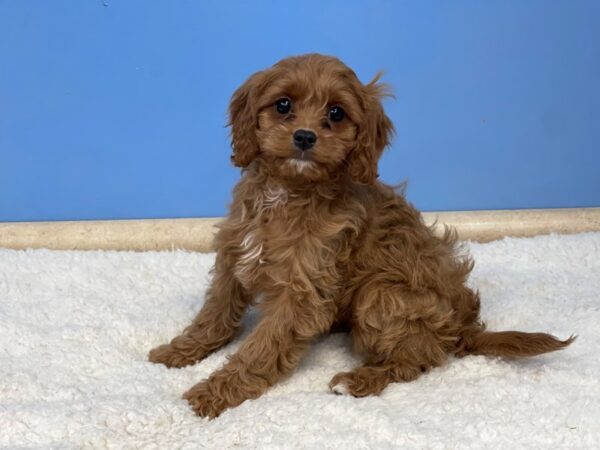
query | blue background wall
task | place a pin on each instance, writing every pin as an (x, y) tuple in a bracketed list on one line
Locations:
[(116, 109)]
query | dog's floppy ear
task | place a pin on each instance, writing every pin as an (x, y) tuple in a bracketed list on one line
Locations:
[(374, 134), (243, 118)]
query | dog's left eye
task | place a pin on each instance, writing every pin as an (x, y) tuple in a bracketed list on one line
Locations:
[(336, 114), (283, 105)]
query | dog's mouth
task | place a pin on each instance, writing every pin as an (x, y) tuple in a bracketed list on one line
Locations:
[(301, 160), (301, 164), (300, 155)]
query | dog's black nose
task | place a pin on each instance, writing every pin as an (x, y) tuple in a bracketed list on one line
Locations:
[(304, 139)]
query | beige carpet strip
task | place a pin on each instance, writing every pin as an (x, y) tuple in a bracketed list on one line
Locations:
[(197, 234)]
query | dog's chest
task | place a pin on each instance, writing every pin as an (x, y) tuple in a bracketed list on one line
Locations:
[(250, 258), (285, 238), (261, 222)]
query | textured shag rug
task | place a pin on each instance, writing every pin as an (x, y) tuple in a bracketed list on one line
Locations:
[(75, 329)]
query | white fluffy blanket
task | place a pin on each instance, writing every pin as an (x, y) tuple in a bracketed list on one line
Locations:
[(75, 329)]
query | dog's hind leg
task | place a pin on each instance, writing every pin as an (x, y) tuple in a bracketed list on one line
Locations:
[(401, 333)]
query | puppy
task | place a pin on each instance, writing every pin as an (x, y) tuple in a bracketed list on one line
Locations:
[(315, 241)]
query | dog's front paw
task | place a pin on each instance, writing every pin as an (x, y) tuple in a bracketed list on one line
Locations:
[(204, 402), (172, 356)]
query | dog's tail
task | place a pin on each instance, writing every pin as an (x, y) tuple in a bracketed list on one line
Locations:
[(514, 344)]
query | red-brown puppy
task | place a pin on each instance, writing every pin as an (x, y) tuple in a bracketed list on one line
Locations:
[(315, 237)]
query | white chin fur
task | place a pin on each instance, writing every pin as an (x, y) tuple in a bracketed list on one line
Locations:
[(300, 165)]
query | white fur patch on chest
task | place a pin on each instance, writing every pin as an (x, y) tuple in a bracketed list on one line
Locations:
[(270, 199), (274, 196), (249, 259)]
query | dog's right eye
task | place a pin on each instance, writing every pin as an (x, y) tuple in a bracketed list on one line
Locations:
[(283, 105)]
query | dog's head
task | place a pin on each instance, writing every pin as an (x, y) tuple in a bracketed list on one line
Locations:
[(310, 116)]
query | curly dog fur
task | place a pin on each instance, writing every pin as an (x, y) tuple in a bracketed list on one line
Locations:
[(315, 242)]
